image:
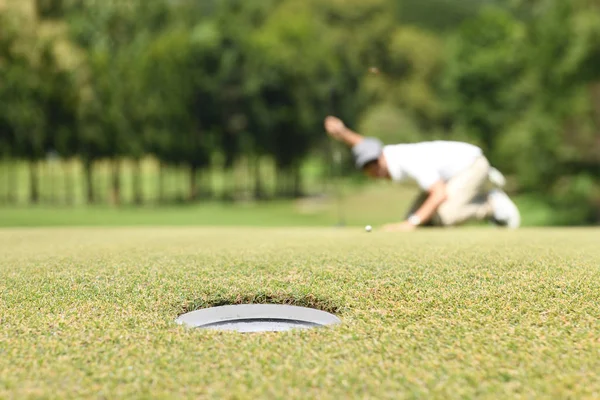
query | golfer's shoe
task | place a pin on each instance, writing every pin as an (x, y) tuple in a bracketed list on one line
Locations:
[(506, 212), (496, 177)]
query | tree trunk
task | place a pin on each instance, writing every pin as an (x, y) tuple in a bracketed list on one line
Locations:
[(259, 192), (176, 186), (224, 194), (235, 184), (69, 184), (4, 180), (208, 187), (178, 189), (328, 171), (12, 180), (50, 177), (193, 193), (183, 182), (89, 181), (161, 182), (278, 183), (116, 182), (284, 183), (138, 195), (34, 193), (289, 193), (297, 182)]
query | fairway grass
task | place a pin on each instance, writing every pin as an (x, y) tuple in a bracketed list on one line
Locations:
[(458, 313)]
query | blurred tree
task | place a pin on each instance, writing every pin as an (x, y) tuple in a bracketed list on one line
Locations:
[(408, 79), (441, 15), (165, 112), (8, 38), (26, 93), (108, 32), (565, 42), (390, 124), (484, 76), (281, 46), (228, 83), (526, 91)]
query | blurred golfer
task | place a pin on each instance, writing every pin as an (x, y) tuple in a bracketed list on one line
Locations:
[(451, 175)]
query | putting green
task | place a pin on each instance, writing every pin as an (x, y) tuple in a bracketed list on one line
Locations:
[(459, 313)]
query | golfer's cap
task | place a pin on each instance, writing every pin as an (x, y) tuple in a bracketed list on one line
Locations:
[(367, 150)]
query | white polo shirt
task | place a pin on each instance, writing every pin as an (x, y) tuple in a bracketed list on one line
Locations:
[(428, 162)]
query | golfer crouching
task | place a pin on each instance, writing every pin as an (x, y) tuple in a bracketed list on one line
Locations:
[(452, 176)]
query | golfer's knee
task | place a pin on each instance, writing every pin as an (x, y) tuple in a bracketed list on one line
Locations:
[(448, 215)]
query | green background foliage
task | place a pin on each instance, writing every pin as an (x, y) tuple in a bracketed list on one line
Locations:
[(242, 87)]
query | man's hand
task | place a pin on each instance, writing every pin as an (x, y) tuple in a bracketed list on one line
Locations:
[(399, 227), (334, 127)]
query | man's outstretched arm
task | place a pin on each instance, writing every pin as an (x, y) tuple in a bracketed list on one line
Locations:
[(437, 195), (337, 130)]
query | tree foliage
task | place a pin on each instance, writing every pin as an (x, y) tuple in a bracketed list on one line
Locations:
[(200, 85)]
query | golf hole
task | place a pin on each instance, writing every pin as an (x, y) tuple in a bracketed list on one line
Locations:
[(257, 318)]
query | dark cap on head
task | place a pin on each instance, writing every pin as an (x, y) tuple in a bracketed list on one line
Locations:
[(367, 150)]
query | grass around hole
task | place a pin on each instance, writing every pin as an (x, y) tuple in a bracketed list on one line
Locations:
[(290, 299), (436, 314)]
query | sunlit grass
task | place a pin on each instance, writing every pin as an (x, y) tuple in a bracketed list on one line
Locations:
[(464, 313)]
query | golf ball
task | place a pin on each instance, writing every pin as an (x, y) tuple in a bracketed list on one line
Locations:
[(368, 228)]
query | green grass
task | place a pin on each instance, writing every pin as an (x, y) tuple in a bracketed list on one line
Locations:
[(372, 204), (465, 313), (211, 214)]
